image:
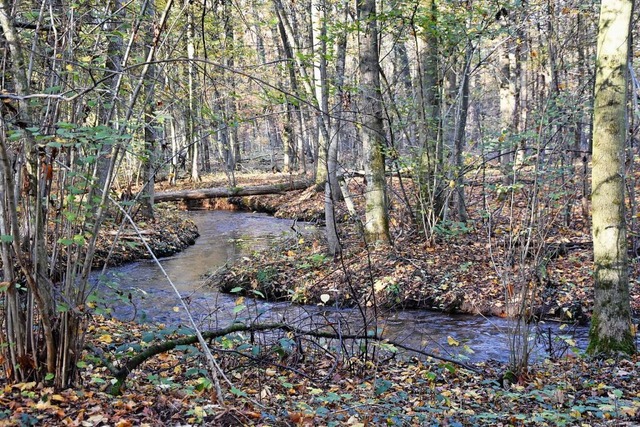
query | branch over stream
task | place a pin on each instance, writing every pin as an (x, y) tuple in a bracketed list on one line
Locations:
[(215, 192), (120, 374)]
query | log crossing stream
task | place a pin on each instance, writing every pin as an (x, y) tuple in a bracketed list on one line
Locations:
[(227, 236)]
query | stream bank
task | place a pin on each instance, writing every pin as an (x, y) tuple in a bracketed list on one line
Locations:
[(169, 233), (462, 271), (233, 238), (459, 274)]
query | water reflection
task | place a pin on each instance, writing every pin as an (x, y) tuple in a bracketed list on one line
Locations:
[(228, 237)]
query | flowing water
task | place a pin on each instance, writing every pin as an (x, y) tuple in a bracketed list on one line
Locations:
[(227, 236)]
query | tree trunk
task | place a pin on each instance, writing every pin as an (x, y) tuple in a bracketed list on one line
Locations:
[(14, 318), (210, 193), (611, 320), (319, 43), (373, 137), (431, 163), (230, 107), (508, 104), (289, 142), (460, 136), (192, 143), (148, 156), (332, 187)]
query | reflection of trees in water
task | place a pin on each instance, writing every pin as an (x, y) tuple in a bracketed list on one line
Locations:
[(228, 236)]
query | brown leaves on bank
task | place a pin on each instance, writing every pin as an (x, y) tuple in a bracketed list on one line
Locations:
[(173, 389)]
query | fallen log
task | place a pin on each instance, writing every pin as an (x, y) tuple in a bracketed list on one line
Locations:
[(215, 192)]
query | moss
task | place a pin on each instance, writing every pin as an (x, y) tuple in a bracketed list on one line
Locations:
[(235, 190), (600, 345)]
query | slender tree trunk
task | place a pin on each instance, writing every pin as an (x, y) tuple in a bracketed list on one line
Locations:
[(289, 134), (508, 97), (190, 128), (230, 107), (332, 187), (431, 164), (14, 319), (35, 267), (581, 143), (611, 321), (175, 152), (148, 157), (319, 43), (341, 98), (402, 71), (460, 136), (373, 137)]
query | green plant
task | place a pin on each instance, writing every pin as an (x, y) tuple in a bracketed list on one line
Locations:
[(450, 229), (264, 276)]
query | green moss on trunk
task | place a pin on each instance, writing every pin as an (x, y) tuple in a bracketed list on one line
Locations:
[(599, 344)]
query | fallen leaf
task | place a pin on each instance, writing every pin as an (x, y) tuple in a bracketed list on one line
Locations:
[(452, 341)]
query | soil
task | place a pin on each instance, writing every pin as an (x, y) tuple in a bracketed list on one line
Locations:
[(309, 387)]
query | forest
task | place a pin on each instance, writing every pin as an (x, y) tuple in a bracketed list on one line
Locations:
[(452, 234)]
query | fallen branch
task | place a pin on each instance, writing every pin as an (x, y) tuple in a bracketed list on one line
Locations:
[(215, 192), (121, 374)]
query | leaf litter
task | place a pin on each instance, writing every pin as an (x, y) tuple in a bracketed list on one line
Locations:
[(321, 387)]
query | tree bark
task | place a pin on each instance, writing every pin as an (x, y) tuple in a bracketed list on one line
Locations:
[(319, 43), (373, 137), (460, 135), (190, 128), (148, 157), (210, 193), (289, 134), (332, 187), (431, 157), (509, 94), (611, 320), (230, 108)]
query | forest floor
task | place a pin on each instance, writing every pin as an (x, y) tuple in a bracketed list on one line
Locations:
[(301, 383), (463, 269), (268, 389)]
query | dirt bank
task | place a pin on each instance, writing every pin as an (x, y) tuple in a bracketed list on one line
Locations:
[(169, 233), (461, 271)]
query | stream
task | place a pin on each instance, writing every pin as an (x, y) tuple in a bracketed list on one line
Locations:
[(227, 236)]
